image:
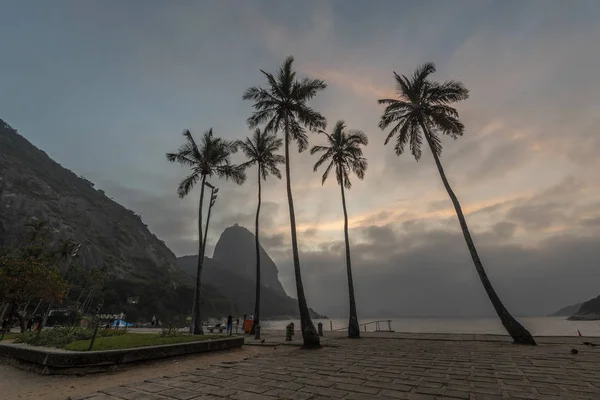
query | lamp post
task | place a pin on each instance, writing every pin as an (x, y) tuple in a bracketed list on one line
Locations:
[(213, 198)]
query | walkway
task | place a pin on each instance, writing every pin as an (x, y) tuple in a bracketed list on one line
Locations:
[(458, 367)]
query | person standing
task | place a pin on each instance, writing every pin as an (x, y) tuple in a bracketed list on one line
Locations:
[(229, 324)]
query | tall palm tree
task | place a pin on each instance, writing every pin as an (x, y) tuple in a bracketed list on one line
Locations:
[(212, 157), (260, 149), (344, 154), (423, 110), (283, 107)]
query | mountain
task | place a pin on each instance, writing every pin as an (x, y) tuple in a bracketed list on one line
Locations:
[(32, 185), (589, 311), (232, 270), (567, 311), (242, 261)]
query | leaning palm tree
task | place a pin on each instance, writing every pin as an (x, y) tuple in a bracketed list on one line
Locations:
[(423, 110), (260, 150), (282, 107), (211, 158), (344, 154)]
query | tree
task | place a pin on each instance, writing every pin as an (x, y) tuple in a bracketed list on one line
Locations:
[(344, 154), (423, 110), (260, 150), (23, 278), (282, 107), (211, 158)]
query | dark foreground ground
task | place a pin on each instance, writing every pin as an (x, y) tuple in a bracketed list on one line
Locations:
[(395, 367)]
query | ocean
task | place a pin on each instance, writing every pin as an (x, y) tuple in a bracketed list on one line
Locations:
[(538, 326)]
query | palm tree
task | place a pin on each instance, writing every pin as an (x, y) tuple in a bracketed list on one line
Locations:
[(260, 150), (423, 110), (282, 107), (211, 158), (343, 153)]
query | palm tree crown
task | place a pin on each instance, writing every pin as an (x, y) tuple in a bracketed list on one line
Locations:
[(211, 158), (423, 103), (344, 152), (422, 109), (260, 149), (283, 105)]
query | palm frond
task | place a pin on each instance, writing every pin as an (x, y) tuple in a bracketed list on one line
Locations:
[(282, 104), (422, 101), (186, 185), (448, 124), (447, 92), (344, 152), (260, 149)]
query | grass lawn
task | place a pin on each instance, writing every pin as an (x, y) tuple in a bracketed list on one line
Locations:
[(10, 335), (132, 340)]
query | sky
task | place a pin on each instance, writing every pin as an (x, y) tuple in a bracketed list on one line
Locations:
[(106, 88)]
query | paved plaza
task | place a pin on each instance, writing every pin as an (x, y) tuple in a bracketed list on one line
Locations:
[(430, 367)]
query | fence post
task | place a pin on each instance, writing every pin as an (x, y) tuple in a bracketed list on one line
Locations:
[(289, 332)]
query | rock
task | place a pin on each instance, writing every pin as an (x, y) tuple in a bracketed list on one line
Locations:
[(242, 261), (589, 311), (567, 311)]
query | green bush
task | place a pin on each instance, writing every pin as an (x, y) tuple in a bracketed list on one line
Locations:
[(111, 332), (171, 332), (57, 337)]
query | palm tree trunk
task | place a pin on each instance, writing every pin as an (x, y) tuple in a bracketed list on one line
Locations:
[(353, 328), (309, 333), (45, 319), (36, 308), (197, 318), (257, 243), (519, 334)]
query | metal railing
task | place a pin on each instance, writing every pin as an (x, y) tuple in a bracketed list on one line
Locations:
[(378, 326)]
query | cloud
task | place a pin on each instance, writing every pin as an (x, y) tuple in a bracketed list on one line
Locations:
[(525, 170)]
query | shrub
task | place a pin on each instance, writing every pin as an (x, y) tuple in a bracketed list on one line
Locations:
[(171, 332), (57, 337), (111, 332)]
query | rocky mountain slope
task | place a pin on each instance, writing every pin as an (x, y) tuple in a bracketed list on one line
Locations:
[(33, 185), (567, 311), (242, 260), (232, 270), (589, 311)]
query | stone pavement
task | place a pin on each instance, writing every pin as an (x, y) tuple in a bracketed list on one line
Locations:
[(389, 368)]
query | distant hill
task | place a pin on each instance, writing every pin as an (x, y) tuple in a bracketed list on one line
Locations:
[(232, 272), (567, 311), (589, 311)]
